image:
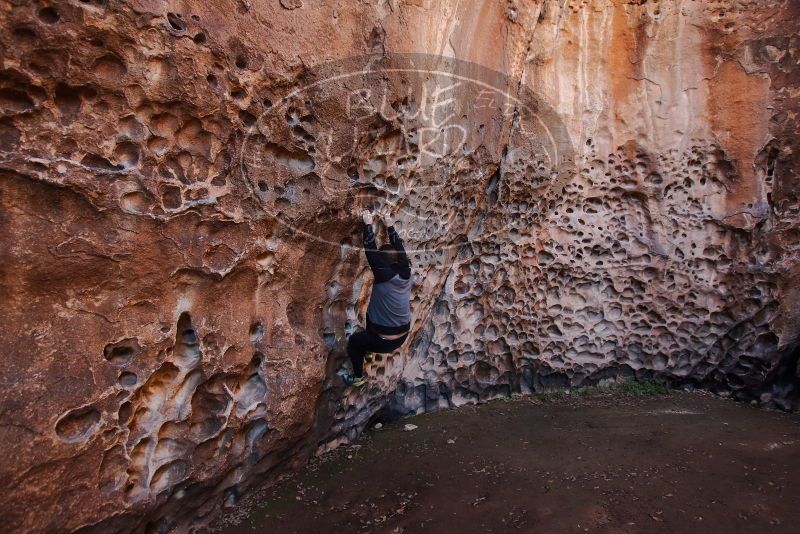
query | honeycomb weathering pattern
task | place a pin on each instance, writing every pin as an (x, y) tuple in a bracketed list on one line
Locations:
[(591, 190)]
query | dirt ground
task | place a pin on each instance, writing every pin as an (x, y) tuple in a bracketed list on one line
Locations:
[(686, 462)]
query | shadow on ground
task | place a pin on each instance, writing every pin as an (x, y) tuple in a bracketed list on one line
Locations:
[(598, 463)]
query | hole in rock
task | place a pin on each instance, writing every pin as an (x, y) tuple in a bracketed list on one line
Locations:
[(247, 118), (67, 99), (23, 36), (255, 431), (122, 352), (250, 392), (256, 331), (171, 197), (230, 497), (88, 93), (175, 22), (297, 162), (110, 68), (49, 15), (13, 100), (124, 413), (128, 379), (158, 145), (329, 339), (186, 352), (99, 163), (78, 424), (492, 188), (127, 155), (169, 474)]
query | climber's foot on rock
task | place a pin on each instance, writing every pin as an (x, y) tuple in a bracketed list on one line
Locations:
[(355, 381), (369, 357)]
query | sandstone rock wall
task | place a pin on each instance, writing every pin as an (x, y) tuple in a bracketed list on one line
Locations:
[(590, 190)]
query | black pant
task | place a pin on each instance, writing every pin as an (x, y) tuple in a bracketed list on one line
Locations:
[(365, 341)]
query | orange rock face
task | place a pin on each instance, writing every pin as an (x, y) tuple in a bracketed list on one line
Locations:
[(590, 192)]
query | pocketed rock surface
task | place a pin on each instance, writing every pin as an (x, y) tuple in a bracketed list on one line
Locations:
[(589, 191), (679, 463)]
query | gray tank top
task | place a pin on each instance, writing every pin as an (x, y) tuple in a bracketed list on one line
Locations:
[(389, 304)]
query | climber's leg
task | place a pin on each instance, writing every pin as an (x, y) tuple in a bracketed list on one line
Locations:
[(361, 343), (357, 347), (385, 346)]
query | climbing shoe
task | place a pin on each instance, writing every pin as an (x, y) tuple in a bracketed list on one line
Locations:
[(354, 381), (368, 357)]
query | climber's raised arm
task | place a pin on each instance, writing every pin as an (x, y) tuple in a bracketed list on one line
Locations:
[(403, 263), (381, 269)]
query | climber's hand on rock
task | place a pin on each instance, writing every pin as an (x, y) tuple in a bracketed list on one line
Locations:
[(366, 216), (386, 217)]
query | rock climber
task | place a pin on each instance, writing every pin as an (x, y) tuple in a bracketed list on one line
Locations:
[(389, 311)]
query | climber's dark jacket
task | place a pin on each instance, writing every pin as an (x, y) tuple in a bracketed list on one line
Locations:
[(389, 310)]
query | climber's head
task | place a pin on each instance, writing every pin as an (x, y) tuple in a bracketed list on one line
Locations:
[(391, 255)]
